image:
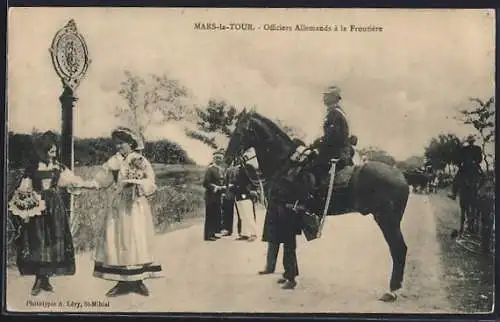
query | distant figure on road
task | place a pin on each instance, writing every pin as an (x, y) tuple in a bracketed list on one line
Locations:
[(214, 187), (124, 253)]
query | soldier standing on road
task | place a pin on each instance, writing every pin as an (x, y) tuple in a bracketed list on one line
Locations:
[(214, 187), (245, 196), (228, 202)]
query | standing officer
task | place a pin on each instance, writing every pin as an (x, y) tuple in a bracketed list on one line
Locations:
[(214, 187), (245, 196), (228, 201)]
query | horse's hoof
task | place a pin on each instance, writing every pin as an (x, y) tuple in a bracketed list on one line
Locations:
[(388, 297)]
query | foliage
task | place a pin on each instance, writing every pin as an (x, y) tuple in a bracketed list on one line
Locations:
[(443, 151), (411, 163), (94, 151), (216, 119), (376, 154), (157, 99), (482, 117)]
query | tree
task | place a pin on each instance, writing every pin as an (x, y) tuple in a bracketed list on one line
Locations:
[(482, 117), (217, 119), (411, 163), (443, 152), (155, 100), (377, 154)]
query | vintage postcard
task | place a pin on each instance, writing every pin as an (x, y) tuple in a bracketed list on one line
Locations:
[(174, 160)]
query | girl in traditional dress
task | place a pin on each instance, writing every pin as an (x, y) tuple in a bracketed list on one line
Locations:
[(44, 244), (124, 253)]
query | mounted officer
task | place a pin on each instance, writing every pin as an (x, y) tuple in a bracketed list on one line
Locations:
[(470, 159), (335, 142)]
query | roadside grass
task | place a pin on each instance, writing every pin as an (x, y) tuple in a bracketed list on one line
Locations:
[(469, 276)]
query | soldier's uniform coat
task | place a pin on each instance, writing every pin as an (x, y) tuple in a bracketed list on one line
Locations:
[(245, 206), (334, 141), (213, 176)]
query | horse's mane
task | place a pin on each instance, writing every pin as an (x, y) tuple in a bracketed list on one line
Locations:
[(271, 126)]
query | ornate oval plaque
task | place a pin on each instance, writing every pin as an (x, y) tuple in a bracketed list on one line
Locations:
[(70, 55)]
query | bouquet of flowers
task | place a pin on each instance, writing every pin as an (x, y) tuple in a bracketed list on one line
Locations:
[(135, 173), (136, 169), (26, 204)]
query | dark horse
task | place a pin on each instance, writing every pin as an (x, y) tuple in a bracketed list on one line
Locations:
[(374, 188)]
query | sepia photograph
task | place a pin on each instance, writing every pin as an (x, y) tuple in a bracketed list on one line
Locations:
[(237, 160)]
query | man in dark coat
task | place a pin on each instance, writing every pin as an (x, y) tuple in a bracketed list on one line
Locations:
[(214, 187), (335, 140), (281, 226), (470, 159)]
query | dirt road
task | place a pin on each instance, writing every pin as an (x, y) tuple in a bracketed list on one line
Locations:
[(345, 271)]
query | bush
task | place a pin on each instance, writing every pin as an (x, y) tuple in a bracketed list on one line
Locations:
[(95, 151)]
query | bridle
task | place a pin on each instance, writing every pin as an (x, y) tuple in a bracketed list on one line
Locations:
[(285, 162)]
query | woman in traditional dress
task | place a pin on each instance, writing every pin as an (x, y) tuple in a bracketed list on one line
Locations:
[(44, 244), (124, 253)]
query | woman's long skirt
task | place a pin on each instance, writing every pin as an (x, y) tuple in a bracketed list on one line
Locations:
[(45, 245), (125, 251)]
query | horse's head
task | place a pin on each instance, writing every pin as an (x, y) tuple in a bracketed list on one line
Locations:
[(271, 144), (240, 140)]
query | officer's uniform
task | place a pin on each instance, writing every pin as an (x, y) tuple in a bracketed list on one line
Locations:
[(244, 193), (214, 178), (334, 143), (228, 202)]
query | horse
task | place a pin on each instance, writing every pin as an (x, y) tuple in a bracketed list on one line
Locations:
[(374, 187)]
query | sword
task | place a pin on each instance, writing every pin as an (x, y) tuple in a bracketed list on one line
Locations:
[(262, 194), (328, 196)]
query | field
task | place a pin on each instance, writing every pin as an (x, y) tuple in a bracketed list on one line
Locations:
[(178, 201)]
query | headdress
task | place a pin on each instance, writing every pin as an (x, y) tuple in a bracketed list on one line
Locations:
[(129, 136), (43, 143)]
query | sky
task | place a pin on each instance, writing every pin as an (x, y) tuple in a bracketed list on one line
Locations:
[(400, 86)]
